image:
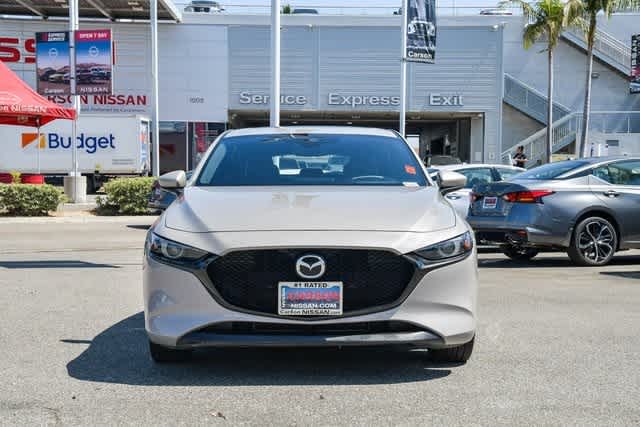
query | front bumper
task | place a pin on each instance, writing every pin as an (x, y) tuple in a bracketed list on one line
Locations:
[(203, 339), (441, 310)]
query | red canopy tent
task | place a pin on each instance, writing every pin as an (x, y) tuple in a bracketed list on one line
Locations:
[(21, 105)]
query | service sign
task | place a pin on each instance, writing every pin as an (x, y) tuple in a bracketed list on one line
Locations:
[(93, 62), (635, 64), (421, 31), (53, 63)]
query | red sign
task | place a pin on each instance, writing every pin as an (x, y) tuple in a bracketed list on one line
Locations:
[(13, 49)]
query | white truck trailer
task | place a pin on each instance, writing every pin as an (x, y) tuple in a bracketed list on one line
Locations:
[(107, 145)]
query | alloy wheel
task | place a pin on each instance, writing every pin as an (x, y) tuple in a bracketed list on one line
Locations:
[(596, 241)]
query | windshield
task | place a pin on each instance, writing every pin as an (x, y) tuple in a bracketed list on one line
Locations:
[(550, 170), (315, 159)]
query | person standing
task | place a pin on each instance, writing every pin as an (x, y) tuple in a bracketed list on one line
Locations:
[(520, 159)]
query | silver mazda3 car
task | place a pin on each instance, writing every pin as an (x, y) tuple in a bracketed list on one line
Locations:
[(323, 236)]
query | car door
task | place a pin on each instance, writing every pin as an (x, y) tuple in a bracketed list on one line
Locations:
[(460, 199), (618, 185)]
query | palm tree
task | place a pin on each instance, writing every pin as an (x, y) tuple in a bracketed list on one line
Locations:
[(575, 10), (545, 20)]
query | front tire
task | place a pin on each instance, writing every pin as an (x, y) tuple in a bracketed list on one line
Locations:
[(458, 354), (594, 242), (518, 253), (162, 354)]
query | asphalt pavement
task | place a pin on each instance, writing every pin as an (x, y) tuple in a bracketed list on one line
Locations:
[(556, 345)]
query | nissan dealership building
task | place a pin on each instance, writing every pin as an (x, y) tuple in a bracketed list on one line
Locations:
[(215, 74)]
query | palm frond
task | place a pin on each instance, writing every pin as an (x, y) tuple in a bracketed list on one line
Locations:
[(532, 33), (574, 13)]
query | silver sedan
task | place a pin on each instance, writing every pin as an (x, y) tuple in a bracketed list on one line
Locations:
[(588, 208)]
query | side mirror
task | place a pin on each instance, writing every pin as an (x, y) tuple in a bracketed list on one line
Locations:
[(173, 181), (451, 181)]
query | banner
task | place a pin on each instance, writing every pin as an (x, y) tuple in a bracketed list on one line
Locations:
[(421, 31), (53, 63), (93, 62), (635, 64)]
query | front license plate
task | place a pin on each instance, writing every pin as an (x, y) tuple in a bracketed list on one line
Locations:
[(310, 298), (489, 203)]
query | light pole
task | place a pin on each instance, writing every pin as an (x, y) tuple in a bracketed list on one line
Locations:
[(73, 26), (155, 116), (274, 114), (403, 71)]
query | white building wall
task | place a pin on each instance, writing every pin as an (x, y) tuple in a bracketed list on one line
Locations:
[(621, 25), (192, 68)]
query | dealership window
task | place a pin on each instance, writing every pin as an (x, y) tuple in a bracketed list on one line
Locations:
[(201, 136), (173, 146)]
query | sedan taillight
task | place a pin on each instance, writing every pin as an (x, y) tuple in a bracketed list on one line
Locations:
[(532, 196)]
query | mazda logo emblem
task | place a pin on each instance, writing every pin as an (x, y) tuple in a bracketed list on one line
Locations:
[(310, 266)]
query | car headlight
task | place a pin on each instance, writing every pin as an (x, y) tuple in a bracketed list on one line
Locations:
[(447, 250), (171, 252)]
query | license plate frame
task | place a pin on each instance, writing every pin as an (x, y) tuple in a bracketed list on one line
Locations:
[(306, 298)]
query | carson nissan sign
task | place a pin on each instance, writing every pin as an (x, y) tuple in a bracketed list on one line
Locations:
[(353, 101)]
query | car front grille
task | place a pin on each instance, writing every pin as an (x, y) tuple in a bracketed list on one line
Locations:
[(372, 279)]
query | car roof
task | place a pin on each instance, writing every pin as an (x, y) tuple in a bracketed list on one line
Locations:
[(476, 165), (332, 130), (595, 160)]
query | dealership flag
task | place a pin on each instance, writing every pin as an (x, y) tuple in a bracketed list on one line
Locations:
[(421, 31), (635, 64), (53, 63), (93, 62)]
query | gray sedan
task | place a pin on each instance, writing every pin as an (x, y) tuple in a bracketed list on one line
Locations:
[(588, 208)]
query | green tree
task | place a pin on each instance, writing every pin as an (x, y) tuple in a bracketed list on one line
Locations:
[(286, 9), (583, 13), (546, 21)]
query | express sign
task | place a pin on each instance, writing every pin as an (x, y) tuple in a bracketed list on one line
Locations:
[(13, 49)]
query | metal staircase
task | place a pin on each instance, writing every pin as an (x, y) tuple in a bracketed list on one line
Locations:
[(566, 130), (607, 48), (529, 101)]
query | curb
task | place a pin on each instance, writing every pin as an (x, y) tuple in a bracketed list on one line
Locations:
[(147, 219)]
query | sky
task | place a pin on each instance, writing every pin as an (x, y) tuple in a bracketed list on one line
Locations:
[(351, 6)]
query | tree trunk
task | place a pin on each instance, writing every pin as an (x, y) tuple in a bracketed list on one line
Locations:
[(584, 134), (549, 145)]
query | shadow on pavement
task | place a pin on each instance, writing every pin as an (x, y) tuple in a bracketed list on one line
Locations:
[(139, 226), (623, 274), (119, 355), (561, 260), (53, 264)]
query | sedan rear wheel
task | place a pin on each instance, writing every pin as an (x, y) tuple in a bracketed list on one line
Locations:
[(594, 242)]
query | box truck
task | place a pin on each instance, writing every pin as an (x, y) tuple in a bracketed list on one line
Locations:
[(107, 145)]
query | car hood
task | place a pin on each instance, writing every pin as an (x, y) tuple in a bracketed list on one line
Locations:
[(225, 209)]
